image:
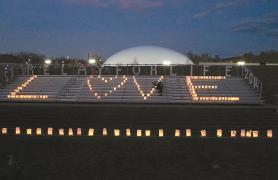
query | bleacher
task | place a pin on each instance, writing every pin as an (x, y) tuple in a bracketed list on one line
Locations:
[(4, 91), (229, 87), (126, 89), (42, 86)]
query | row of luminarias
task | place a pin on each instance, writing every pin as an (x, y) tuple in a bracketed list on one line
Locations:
[(192, 89), (145, 95), (106, 80), (18, 89), (128, 132)]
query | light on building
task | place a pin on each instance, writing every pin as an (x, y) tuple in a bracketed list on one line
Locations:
[(240, 63), (92, 61), (47, 61), (166, 63)]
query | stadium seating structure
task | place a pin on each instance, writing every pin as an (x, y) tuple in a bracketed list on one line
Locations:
[(129, 89)]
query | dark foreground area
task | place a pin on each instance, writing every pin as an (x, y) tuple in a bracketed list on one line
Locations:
[(83, 158)]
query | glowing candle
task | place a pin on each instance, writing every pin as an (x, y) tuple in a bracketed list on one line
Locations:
[(148, 133), (29, 131), (177, 133), (139, 132), (255, 134), (91, 132), (61, 132), (17, 130), (242, 133), (219, 132), (50, 131), (116, 132), (104, 132), (79, 131), (4, 131), (188, 132), (39, 131), (160, 133), (70, 132), (233, 133), (249, 133), (203, 133), (269, 133), (128, 132)]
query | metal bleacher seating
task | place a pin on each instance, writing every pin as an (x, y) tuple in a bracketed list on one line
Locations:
[(43, 85), (4, 91), (77, 89), (230, 87)]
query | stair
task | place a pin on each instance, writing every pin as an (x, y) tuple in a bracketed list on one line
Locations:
[(72, 89)]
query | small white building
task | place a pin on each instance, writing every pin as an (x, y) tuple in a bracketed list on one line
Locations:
[(147, 56)]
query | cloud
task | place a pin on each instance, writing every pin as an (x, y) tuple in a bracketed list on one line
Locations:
[(273, 33), (91, 2), (248, 27), (227, 4), (123, 4), (270, 19), (201, 14), (223, 5), (139, 4), (266, 25)]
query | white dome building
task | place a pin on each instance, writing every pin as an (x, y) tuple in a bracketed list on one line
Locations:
[(146, 56)]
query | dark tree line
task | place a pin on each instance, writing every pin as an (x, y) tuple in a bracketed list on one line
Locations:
[(270, 56)]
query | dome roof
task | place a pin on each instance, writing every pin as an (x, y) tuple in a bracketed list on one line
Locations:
[(147, 55)]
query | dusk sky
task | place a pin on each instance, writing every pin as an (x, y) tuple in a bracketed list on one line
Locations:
[(77, 27)]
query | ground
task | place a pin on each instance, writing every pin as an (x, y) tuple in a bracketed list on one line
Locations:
[(67, 158)]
